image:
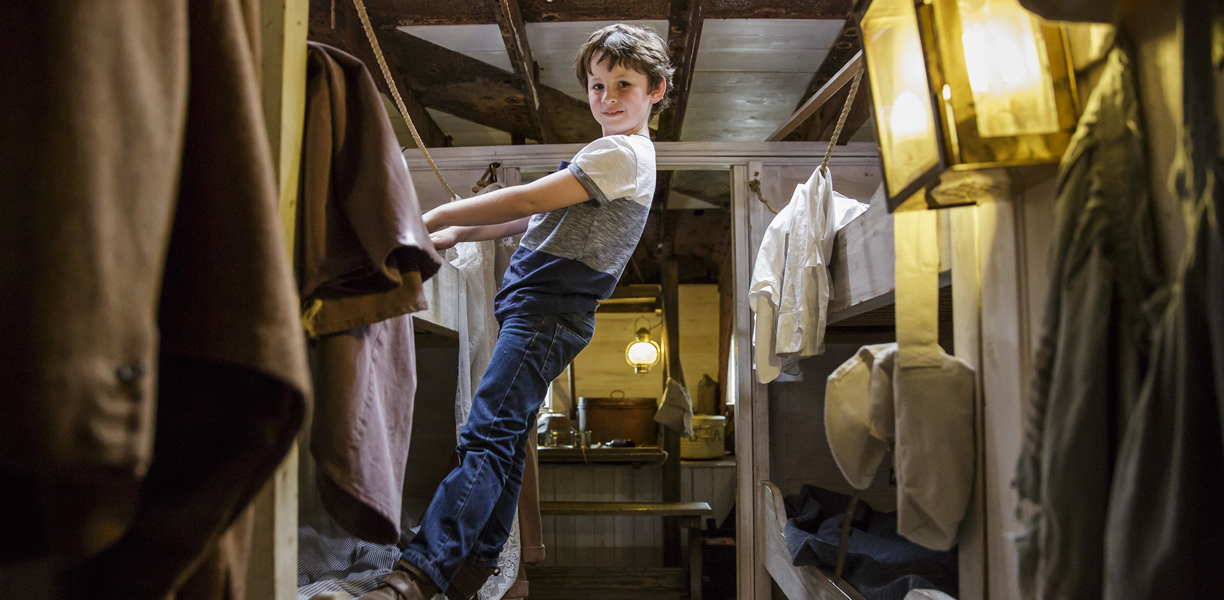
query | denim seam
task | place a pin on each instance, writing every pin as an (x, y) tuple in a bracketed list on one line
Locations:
[(420, 562), (467, 490), (552, 344)]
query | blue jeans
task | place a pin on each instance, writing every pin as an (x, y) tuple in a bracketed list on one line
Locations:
[(471, 513)]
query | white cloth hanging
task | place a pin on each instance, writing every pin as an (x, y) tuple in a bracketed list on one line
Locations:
[(789, 293), (926, 416), (857, 450), (676, 410)]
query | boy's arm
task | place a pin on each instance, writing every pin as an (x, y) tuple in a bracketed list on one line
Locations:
[(449, 236), (511, 204)]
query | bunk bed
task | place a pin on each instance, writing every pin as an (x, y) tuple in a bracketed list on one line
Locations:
[(796, 582), (862, 276)]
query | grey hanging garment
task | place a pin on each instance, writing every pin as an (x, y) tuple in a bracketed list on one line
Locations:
[(1089, 361), (1165, 522)]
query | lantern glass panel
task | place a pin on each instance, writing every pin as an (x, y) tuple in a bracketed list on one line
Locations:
[(643, 353), (900, 91), (1008, 69)]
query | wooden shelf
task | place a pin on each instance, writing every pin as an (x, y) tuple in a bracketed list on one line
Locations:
[(646, 455), (624, 509), (432, 335), (798, 583)]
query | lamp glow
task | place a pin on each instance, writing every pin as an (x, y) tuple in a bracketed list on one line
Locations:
[(1008, 69), (907, 119), (642, 353)]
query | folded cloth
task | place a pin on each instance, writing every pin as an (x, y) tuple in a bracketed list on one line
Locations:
[(676, 412), (880, 564)]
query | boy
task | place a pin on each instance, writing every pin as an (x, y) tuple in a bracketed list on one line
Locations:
[(582, 224)]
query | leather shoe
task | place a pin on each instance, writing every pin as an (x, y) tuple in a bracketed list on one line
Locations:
[(404, 582), (469, 580)]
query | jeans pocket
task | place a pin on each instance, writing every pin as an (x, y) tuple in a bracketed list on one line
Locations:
[(580, 327)]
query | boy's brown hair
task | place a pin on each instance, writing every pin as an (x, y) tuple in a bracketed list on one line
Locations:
[(638, 48)]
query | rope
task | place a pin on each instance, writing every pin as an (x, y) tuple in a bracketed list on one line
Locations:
[(845, 532), (755, 185), (399, 102), (841, 120)]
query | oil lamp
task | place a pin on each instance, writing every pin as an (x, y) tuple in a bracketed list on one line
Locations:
[(968, 95)]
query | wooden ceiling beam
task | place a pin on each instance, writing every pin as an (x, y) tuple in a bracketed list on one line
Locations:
[(845, 47), (341, 27), (514, 34), (388, 13), (479, 92), (822, 125), (683, 37), (779, 9)]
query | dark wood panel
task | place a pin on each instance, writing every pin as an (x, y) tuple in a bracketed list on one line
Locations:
[(431, 451), (562, 583), (468, 12), (479, 92), (685, 20)]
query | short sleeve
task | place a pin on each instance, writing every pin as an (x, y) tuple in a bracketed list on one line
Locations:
[(607, 168)]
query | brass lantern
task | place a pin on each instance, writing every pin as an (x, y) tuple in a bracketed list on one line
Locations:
[(964, 91), (642, 353)]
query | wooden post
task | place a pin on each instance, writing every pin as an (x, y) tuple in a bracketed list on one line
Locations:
[(272, 571), (752, 400), (671, 439), (967, 339)]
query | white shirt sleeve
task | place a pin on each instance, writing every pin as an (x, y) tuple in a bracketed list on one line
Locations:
[(607, 168)]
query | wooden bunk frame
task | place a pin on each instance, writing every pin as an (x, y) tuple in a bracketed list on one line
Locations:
[(862, 273), (796, 582)]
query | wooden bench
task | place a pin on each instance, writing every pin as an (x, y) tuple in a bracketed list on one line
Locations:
[(595, 583)]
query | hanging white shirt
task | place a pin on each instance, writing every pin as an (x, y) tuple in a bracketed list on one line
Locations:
[(765, 292), (790, 288)]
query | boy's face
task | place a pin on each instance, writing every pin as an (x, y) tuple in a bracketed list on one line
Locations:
[(620, 98)]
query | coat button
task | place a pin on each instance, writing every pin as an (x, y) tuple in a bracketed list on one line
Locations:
[(129, 373)]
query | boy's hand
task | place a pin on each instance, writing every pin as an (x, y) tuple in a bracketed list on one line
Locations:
[(444, 239)]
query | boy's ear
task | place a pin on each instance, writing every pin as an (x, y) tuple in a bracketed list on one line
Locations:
[(657, 94)]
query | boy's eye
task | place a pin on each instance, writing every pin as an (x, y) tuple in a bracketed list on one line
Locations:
[(624, 84), (597, 86)]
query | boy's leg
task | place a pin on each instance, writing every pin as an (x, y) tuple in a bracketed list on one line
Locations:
[(530, 353), (497, 530)]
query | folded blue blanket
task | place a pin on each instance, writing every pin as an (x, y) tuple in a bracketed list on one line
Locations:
[(880, 564)]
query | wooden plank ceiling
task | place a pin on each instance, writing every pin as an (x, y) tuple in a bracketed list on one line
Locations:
[(495, 72), (501, 71)]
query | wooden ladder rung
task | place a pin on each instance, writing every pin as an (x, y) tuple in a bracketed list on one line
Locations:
[(625, 509)]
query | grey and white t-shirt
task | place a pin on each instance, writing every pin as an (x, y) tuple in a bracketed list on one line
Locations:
[(572, 257)]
